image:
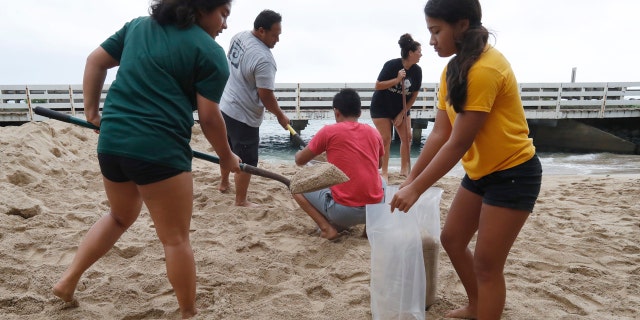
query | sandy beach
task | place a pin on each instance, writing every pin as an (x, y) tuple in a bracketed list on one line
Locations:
[(578, 256)]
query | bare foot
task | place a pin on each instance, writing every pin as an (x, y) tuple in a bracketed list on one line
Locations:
[(385, 176), (189, 315), (61, 291), (70, 304), (247, 204), (330, 233), (463, 313), (223, 186)]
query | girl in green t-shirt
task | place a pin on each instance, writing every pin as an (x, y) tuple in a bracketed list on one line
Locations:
[(169, 67)]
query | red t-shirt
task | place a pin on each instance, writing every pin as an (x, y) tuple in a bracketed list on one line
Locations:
[(355, 148)]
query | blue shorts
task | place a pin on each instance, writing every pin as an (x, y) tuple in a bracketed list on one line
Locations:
[(514, 188), (243, 140), (342, 217), (123, 169)]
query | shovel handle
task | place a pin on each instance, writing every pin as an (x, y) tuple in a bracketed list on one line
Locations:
[(45, 112), (245, 168), (196, 154)]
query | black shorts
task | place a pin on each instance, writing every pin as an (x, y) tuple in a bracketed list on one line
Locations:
[(388, 113), (123, 169), (514, 188), (243, 139)]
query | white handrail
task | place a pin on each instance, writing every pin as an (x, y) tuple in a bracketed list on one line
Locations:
[(540, 100)]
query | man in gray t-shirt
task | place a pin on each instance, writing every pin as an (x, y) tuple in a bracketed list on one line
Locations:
[(249, 91)]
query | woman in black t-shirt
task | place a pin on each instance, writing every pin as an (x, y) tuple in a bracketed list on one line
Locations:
[(400, 78)]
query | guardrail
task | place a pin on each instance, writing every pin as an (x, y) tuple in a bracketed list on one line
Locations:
[(313, 100)]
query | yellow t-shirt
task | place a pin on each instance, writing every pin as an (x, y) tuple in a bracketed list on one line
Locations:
[(503, 141)]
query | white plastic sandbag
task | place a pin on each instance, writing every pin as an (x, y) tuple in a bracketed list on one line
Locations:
[(399, 284), (427, 211)]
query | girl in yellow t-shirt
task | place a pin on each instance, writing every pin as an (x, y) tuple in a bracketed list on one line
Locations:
[(480, 122)]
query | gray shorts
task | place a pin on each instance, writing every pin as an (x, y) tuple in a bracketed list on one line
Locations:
[(340, 216)]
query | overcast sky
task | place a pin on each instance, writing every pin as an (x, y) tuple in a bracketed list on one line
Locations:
[(46, 42)]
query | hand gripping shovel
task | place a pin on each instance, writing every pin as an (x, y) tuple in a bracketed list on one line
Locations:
[(196, 154), (296, 137), (297, 140)]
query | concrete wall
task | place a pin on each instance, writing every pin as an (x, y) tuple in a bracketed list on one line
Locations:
[(566, 135)]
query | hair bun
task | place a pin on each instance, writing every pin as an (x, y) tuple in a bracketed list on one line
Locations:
[(405, 40)]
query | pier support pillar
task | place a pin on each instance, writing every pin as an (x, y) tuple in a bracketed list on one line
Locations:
[(416, 130), (298, 125), (417, 125)]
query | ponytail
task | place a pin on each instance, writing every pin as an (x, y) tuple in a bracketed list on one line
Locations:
[(470, 47)]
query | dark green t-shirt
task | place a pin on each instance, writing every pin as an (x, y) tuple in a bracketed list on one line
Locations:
[(148, 112)]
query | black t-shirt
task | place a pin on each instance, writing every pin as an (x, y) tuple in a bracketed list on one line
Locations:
[(388, 103)]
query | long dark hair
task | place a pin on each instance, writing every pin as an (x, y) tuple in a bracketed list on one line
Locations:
[(182, 13), (470, 46), (407, 44)]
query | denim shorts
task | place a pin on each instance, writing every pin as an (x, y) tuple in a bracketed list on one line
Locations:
[(123, 169), (243, 140), (515, 188)]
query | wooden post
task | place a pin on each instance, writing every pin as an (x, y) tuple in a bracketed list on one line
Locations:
[(298, 105), (604, 100), (29, 103)]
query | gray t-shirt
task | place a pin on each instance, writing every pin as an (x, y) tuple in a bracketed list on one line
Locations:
[(251, 66)]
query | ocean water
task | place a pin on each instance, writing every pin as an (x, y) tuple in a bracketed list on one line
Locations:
[(276, 147)]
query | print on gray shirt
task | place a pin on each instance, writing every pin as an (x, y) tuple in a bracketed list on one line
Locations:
[(251, 66)]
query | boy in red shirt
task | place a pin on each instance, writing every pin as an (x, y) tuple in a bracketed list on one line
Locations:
[(356, 149)]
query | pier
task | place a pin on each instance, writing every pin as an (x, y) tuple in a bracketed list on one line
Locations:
[(572, 117)]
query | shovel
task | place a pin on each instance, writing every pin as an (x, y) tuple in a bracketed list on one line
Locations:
[(326, 178), (196, 154), (321, 158), (296, 137)]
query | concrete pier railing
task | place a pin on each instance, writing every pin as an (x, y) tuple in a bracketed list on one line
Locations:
[(313, 100), (548, 107)]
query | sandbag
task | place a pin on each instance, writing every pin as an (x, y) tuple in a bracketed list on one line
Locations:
[(404, 256), (313, 177)]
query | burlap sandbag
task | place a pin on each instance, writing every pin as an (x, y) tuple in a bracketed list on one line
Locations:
[(315, 177)]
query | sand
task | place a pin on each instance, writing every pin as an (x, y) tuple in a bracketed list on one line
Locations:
[(578, 256), (315, 177)]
